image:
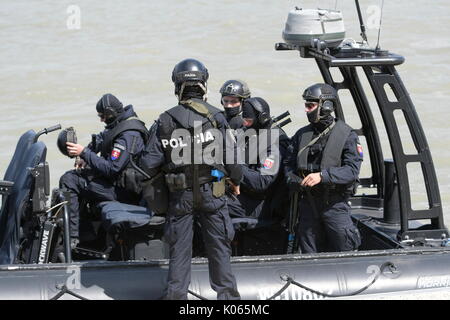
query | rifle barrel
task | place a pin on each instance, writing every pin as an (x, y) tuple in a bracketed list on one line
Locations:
[(281, 116), (285, 122)]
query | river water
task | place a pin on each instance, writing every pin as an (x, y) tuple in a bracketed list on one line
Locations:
[(58, 58)]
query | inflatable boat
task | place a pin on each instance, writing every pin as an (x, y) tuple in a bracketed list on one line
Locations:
[(404, 252)]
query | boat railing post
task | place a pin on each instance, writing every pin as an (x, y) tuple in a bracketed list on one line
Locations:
[(67, 248), (391, 213)]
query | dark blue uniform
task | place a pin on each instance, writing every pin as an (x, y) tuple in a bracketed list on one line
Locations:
[(325, 223), (98, 181), (262, 180), (211, 210)]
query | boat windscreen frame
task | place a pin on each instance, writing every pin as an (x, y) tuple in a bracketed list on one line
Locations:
[(379, 68)]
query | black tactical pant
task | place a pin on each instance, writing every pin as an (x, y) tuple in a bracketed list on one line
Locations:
[(81, 185), (217, 232), (328, 228)]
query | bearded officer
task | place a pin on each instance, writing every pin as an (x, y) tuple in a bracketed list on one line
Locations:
[(323, 168), (108, 176), (195, 189)]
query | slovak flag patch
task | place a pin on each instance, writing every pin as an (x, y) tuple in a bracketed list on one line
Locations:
[(268, 163), (360, 149), (115, 154)]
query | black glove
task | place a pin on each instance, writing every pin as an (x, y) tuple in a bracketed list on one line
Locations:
[(235, 173)]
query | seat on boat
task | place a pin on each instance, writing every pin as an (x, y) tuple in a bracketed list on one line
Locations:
[(242, 224), (133, 232), (19, 184), (117, 215)]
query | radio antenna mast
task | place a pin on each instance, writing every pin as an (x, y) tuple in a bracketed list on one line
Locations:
[(379, 27), (361, 22)]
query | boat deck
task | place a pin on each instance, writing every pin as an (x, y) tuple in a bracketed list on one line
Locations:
[(376, 233)]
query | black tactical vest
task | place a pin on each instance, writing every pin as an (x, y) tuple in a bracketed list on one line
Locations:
[(183, 116), (131, 123), (129, 179), (331, 156)]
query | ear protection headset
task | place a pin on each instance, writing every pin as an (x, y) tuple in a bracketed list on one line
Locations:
[(327, 107), (326, 103), (108, 111), (263, 116)]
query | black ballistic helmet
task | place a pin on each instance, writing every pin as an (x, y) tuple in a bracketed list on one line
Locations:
[(257, 109), (323, 93), (189, 71), (109, 106), (66, 135), (235, 88)]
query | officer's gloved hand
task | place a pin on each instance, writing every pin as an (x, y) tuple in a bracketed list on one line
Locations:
[(294, 182), (235, 173)]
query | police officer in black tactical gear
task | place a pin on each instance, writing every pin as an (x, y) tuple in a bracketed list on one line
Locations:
[(196, 186), (322, 171), (234, 92), (265, 147), (109, 176)]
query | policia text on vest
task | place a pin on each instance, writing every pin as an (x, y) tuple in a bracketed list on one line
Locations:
[(255, 142)]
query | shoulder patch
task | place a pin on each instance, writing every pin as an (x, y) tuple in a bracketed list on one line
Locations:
[(115, 153), (268, 163), (359, 148)]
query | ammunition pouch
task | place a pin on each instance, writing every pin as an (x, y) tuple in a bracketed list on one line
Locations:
[(181, 181), (130, 180), (176, 181), (204, 174), (218, 188)]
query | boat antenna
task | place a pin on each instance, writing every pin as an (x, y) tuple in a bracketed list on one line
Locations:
[(335, 5), (361, 22), (379, 27)]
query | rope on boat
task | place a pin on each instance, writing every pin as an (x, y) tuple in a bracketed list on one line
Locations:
[(63, 291), (290, 281), (197, 295)]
